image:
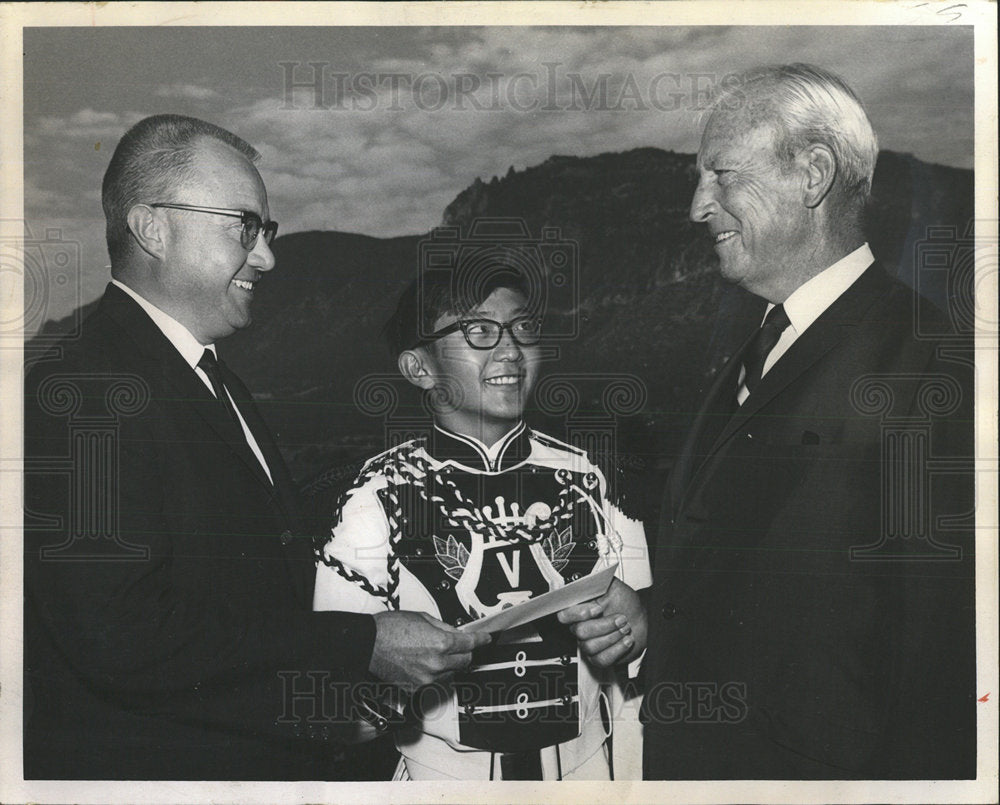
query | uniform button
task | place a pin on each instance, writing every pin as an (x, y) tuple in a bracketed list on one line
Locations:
[(286, 537), (669, 610)]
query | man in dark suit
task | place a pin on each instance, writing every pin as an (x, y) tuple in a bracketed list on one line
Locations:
[(812, 609), (168, 589)]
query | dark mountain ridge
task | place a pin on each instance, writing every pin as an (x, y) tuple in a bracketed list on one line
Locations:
[(650, 303)]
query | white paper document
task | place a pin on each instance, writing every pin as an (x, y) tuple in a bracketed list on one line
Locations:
[(576, 592)]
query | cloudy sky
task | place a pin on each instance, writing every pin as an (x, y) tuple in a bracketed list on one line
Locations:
[(409, 117)]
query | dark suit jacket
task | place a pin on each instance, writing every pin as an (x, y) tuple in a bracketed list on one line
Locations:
[(780, 645), (168, 594)]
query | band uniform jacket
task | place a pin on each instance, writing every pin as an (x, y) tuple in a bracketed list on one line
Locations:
[(168, 624), (812, 609), (437, 525)]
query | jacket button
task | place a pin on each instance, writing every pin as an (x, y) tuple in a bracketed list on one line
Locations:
[(286, 537), (668, 611)]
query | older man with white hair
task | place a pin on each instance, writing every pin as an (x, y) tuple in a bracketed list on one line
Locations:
[(812, 608)]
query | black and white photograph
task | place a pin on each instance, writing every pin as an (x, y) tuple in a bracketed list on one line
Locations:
[(498, 402)]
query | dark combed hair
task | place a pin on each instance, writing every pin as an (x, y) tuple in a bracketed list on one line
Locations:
[(154, 156), (434, 294)]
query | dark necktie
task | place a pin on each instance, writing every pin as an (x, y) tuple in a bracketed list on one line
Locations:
[(210, 366), (762, 344)]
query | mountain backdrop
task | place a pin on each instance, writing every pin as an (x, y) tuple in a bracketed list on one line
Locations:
[(643, 289)]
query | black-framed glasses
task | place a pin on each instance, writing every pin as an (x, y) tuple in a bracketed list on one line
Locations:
[(486, 333), (252, 224)]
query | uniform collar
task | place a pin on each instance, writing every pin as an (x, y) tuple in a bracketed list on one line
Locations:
[(512, 449)]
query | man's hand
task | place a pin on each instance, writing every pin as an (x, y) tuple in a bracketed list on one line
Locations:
[(413, 649), (610, 629)]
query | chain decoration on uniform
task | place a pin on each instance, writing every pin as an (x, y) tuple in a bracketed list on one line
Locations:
[(407, 465), (371, 469)]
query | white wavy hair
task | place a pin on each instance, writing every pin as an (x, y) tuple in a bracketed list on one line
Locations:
[(807, 104)]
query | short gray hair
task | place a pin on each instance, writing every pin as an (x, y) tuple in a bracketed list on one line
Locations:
[(152, 158), (807, 104)]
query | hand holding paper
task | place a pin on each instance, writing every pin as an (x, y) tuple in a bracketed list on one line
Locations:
[(585, 589), (610, 630)]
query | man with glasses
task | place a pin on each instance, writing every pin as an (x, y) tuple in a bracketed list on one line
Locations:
[(168, 588), (481, 514)]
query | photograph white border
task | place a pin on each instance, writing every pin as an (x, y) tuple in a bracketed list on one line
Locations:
[(982, 15)]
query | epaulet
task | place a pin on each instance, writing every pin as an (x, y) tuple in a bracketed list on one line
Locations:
[(623, 491), (547, 441), (619, 491), (394, 455)]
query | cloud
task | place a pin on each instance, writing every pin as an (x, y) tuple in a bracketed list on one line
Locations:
[(86, 123), (188, 91), (396, 153)]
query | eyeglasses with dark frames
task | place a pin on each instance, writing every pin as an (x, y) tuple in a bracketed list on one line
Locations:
[(252, 225), (487, 333)]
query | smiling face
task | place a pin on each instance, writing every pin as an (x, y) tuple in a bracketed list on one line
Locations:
[(486, 389), (206, 279), (751, 203)]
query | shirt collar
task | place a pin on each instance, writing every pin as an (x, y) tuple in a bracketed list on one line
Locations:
[(512, 449), (812, 298), (186, 344)]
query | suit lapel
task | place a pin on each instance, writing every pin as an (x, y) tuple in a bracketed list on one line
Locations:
[(298, 551), (265, 440), (184, 385), (710, 421), (822, 336), (179, 380)]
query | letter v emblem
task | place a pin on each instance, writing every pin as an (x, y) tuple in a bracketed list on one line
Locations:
[(513, 573)]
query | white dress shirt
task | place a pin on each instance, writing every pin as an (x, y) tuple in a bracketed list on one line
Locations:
[(809, 301), (191, 351)]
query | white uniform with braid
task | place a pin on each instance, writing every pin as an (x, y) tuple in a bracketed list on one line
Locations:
[(445, 526)]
